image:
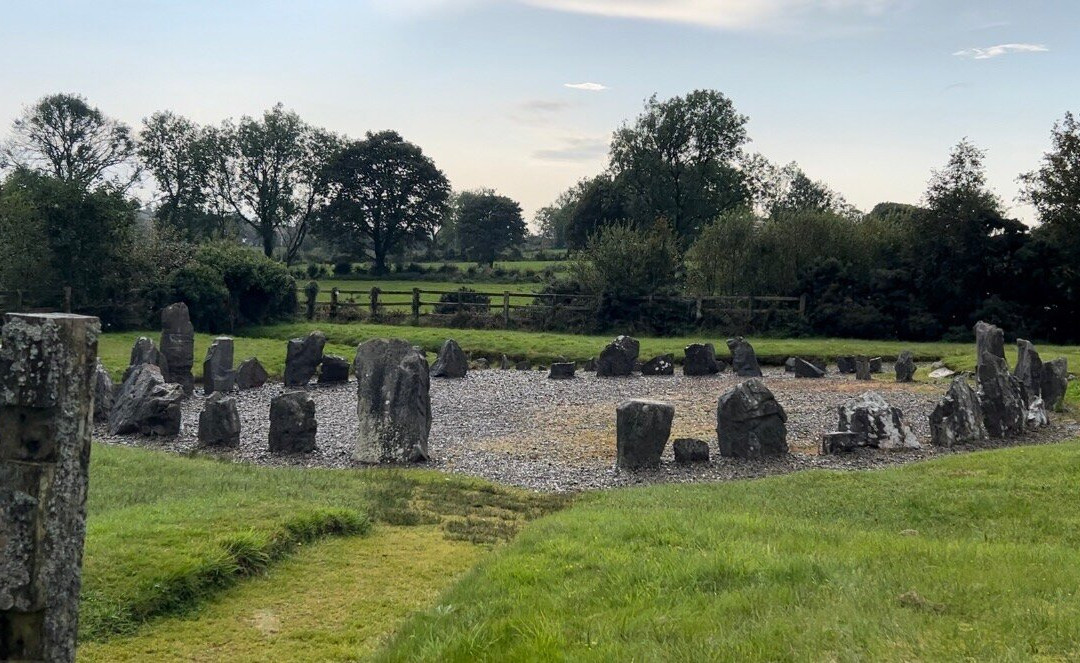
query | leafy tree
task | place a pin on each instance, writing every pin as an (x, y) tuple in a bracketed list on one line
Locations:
[(622, 260), (601, 203), (554, 219), (487, 224), (271, 173), (63, 136), (383, 193), (721, 260), (1054, 188), (678, 160)]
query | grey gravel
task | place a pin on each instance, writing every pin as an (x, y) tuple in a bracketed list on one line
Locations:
[(520, 428)]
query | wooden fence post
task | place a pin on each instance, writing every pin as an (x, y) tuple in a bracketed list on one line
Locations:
[(416, 306), (18, 300), (333, 303), (802, 305), (311, 293), (506, 309), (375, 302), (67, 299), (698, 313)]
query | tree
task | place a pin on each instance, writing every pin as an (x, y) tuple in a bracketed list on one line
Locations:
[(63, 136), (1054, 188), (383, 193), (781, 190), (678, 160), (554, 219), (271, 173), (600, 204), (487, 224), (624, 261), (721, 261), (179, 155)]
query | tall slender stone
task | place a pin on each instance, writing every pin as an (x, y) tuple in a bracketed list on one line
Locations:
[(1055, 381), (393, 402), (1029, 367), (743, 358), (177, 346), (218, 373), (988, 339), (47, 366), (302, 358)]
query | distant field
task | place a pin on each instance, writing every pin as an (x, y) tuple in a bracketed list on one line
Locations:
[(364, 287), (514, 265)]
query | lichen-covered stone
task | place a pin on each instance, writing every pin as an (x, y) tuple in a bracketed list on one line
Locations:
[(661, 365), (700, 359), (618, 358), (642, 428), (292, 423), (302, 358), (988, 339), (219, 421), (905, 367), (1001, 396), (103, 392), (146, 404), (250, 374), (958, 417), (218, 374), (394, 402), (883, 425), (451, 362), (743, 358), (334, 370), (1054, 382), (750, 423)]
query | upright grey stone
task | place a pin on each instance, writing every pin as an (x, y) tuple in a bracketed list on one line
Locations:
[(302, 358), (505, 363), (876, 365), (700, 359), (988, 340), (146, 404), (1029, 367), (46, 408), (292, 423), (451, 362), (905, 367), (618, 358), (862, 369), (590, 365), (1054, 383), (394, 402), (177, 346), (562, 370), (103, 392), (642, 429), (883, 425), (660, 365), (334, 370), (218, 374), (743, 359), (219, 421), (804, 369), (958, 417), (1001, 396), (750, 423), (845, 364), (250, 374), (143, 352)]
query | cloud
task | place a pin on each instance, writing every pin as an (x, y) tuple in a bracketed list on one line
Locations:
[(538, 112), (575, 148), (543, 106), (588, 87), (999, 50)]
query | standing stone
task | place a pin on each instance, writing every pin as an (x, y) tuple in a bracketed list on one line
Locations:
[(394, 403), (883, 425), (804, 369), (876, 365), (219, 421), (143, 352), (250, 374), (845, 364), (743, 359), (642, 429), (1029, 367), (590, 365), (905, 367), (619, 358), (218, 374), (789, 365), (103, 392), (689, 451), (302, 358), (451, 362), (334, 370), (750, 423), (1001, 396), (700, 359), (46, 408), (505, 363), (841, 442), (146, 404), (1054, 383), (958, 417), (292, 423), (562, 370), (177, 346), (661, 365), (988, 340), (862, 369)]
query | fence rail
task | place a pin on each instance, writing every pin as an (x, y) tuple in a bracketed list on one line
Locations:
[(375, 301)]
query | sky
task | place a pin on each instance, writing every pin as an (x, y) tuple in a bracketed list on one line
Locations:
[(523, 95)]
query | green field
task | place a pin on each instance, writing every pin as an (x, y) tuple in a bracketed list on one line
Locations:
[(360, 291), (509, 265)]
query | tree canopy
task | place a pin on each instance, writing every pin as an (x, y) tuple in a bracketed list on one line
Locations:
[(487, 224)]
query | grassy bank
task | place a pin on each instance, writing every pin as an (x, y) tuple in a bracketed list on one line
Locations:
[(970, 557)]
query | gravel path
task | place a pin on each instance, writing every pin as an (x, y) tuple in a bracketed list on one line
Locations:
[(519, 428)]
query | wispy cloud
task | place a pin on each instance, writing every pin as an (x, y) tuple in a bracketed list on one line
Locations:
[(538, 112), (999, 50), (588, 87), (575, 148)]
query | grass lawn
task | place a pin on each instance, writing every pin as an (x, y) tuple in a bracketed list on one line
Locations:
[(969, 557), (166, 533)]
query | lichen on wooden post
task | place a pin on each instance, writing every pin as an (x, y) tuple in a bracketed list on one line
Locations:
[(47, 364)]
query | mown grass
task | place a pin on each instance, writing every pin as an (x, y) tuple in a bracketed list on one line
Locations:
[(165, 532), (970, 557)]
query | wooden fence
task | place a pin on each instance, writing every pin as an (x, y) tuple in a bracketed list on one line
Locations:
[(418, 301)]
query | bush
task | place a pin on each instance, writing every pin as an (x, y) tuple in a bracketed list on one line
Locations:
[(315, 270), (202, 288), (342, 268), (473, 301)]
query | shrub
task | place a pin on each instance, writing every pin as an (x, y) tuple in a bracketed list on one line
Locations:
[(343, 268), (473, 301), (202, 288), (315, 270)]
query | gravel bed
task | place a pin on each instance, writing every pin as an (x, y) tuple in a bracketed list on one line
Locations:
[(520, 428)]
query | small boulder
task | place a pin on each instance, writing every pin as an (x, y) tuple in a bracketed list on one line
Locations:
[(393, 403), (845, 364), (523, 366), (334, 370), (750, 423), (590, 365), (250, 374), (103, 392), (958, 417), (619, 358), (642, 429), (689, 451), (804, 369), (989, 339), (876, 365), (1054, 383), (862, 369), (292, 423), (942, 373), (883, 425), (743, 358), (451, 362), (219, 421), (661, 365), (302, 358), (700, 359), (905, 367), (789, 365), (1036, 414), (562, 370), (480, 364), (842, 442), (505, 363), (146, 404), (177, 346), (218, 374)]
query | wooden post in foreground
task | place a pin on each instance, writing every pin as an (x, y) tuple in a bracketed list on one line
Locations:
[(374, 302), (416, 306), (46, 407), (506, 309)]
